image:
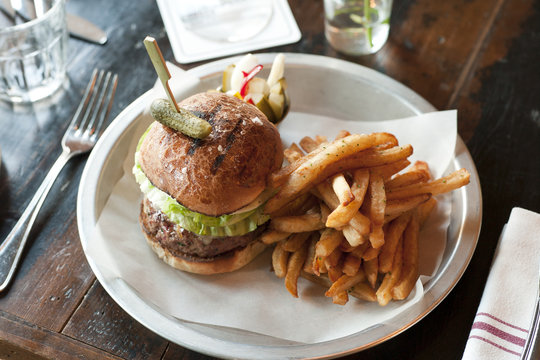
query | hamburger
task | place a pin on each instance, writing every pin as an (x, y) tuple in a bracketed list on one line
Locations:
[(202, 209)]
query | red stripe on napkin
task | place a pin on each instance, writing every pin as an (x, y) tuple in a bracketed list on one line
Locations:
[(494, 344), (502, 321), (499, 333)]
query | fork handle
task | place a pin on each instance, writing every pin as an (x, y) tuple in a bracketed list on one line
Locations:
[(12, 246)]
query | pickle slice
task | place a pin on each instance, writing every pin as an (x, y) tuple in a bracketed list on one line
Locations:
[(262, 104), (226, 80), (278, 99), (277, 103), (183, 121)]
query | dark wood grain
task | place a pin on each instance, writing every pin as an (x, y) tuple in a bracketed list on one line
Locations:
[(513, 26), (19, 339), (54, 275), (479, 56), (100, 322)]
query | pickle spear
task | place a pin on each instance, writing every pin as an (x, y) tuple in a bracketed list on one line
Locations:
[(183, 120)]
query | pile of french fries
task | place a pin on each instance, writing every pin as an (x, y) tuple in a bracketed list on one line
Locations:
[(348, 213)]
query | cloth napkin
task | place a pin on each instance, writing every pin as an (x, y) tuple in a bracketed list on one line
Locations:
[(502, 322)]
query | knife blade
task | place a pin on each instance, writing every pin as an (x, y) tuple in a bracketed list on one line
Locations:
[(77, 26), (7, 10), (85, 30)]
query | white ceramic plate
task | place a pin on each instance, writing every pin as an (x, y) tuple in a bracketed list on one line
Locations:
[(323, 86)]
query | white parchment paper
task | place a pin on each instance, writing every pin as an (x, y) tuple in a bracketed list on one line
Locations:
[(253, 298)]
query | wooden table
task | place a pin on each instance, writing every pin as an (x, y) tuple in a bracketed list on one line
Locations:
[(478, 56)]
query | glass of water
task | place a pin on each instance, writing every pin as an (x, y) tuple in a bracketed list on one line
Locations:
[(33, 55), (357, 27)]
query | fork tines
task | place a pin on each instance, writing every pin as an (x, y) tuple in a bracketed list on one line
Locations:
[(96, 103)]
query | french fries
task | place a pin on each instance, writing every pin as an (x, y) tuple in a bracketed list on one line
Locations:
[(371, 253), (328, 242), (359, 224), (375, 207), (351, 264), (347, 214), (293, 153), (342, 189), (280, 259), (294, 267), (445, 184), (310, 258), (344, 283), (396, 207), (274, 236), (371, 269), (393, 235), (295, 241), (333, 264), (298, 223), (418, 173), (361, 290), (340, 298), (312, 170), (345, 211), (309, 144), (384, 292), (409, 272)]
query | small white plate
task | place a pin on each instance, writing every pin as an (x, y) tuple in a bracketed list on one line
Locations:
[(318, 85), (189, 47)]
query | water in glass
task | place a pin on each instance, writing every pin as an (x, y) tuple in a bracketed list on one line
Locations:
[(357, 27)]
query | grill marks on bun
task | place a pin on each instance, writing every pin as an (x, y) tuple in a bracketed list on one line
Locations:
[(222, 172), (208, 116), (194, 145), (219, 158), (230, 140)]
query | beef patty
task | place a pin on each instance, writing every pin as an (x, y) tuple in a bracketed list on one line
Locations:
[(185, 244)]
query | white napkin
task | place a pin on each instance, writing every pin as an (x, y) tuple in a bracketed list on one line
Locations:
[(502, 322)]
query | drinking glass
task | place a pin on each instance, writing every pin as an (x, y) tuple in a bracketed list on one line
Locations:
[(357, 27), (33, 55)]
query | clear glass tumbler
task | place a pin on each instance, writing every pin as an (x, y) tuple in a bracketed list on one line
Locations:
[(33, 55), (357, 27)]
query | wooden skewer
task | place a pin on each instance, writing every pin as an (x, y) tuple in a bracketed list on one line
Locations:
[(161, 68)]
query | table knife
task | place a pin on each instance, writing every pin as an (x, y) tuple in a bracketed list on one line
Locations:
[(85, 30), (77, 26)]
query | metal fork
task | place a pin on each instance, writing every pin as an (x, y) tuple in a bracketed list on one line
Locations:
[(79, 138)]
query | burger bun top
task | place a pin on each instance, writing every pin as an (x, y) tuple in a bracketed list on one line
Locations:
[(223, 172)]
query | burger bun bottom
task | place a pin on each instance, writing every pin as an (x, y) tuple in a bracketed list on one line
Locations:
[(234, 259)]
